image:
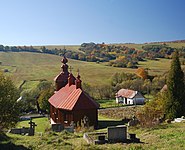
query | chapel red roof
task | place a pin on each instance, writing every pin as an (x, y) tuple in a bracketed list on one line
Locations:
[(126, 93), (72, 98)]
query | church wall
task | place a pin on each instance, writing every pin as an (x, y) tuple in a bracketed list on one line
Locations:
[(90, 113)]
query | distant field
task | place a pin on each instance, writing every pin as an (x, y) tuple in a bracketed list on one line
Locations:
[(176, 45), (33, 67), (130, 45), (156, 67), (139, 46), (68, 47)]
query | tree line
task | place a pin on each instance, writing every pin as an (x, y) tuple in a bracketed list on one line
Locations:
[(115, 55)]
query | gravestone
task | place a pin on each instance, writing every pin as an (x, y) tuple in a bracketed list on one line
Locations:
[(133, 138), (32, 128), (101, 140), (58, 127), (16, 131), (133, 122), (117, 134)]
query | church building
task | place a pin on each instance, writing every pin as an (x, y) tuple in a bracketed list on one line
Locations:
[(70, 104)]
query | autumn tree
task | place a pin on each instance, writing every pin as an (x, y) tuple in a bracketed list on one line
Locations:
[(9, 106), (152, 112), (142, 73), (175, 96)]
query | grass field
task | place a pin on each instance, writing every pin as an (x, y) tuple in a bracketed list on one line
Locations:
[(34, 67), (139, 46), (107, 103), (42, 124), (164, 137), (68, 47), (130, 45), (156, 67), (176, 45)]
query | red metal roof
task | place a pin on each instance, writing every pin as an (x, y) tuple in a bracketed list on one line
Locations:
[(70, 98), (126, 93)]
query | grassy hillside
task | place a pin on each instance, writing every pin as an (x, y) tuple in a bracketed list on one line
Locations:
[(166, 136), (68, 47), (176, 45), (156, 67), (139, 46), (33, 67), (130, 45)]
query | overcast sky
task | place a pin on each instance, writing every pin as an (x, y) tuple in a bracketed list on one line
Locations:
[(66, 22)]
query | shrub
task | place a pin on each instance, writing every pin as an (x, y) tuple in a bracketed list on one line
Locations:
[(152, 113)]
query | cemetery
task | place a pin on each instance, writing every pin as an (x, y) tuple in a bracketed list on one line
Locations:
[(25, 130), (114, 134), (74, 113)]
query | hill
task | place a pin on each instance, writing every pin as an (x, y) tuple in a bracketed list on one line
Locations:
[(68, 47), (35, 66), (126, 55), (117, 55), (174, 44)]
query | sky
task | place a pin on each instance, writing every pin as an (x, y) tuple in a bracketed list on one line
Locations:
[(73, 22)]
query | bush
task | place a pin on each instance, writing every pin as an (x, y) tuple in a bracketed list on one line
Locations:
[(152, 113)]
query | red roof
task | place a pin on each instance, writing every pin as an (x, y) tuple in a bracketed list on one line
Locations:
[(70, 98), (126, 93)]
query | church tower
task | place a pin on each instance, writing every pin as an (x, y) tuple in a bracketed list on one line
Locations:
[(62, 79)]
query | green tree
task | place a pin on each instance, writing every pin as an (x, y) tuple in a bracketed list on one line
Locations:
[(29, 100), (175, 102), (43, 99), (9, 106), (1, 48), (46, 90)]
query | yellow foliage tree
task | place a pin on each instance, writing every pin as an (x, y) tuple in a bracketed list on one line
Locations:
[(142, 73)]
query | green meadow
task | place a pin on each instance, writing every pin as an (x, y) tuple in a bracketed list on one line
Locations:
[(33, 67), (164, 137), (68, 47)]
